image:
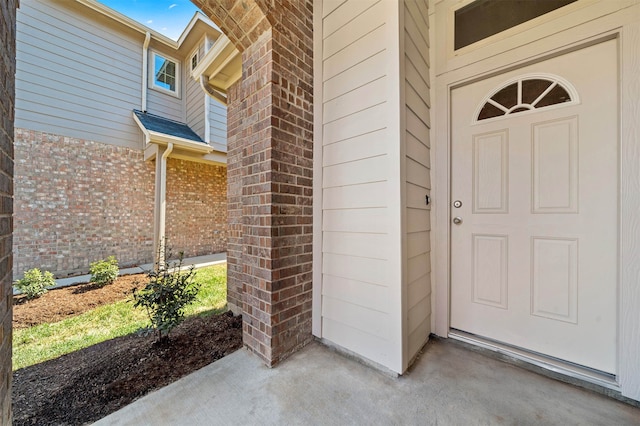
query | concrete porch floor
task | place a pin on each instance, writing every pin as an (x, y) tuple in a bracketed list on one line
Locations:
[(448, 385)]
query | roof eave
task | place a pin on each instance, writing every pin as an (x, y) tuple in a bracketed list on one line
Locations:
[(178, 142), (197, 17), (125, 20), (221, 65), (164, 139)]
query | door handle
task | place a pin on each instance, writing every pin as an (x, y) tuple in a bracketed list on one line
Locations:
[(457, 220)]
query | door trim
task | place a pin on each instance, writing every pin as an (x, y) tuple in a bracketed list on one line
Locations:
[(624, 26)]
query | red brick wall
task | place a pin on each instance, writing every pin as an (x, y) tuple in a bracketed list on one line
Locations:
[(270, 125), (235, 275), (77, 201), (7, 99), (196, 208), (292, 165)]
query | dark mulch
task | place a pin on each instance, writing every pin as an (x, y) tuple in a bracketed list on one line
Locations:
[(86, 385)]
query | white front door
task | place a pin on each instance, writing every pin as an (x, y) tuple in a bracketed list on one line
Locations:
[(534, 215)]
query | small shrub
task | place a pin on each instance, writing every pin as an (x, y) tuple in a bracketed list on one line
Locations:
[(169, 291), (35, 283), (105, 271)]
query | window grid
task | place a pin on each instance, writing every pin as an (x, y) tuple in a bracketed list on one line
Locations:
[(165, 73), (525, 94)]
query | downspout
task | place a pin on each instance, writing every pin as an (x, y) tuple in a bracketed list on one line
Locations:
[(204, 84), (161, 203), (145, 71)]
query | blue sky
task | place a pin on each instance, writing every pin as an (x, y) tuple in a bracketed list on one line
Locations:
[(168, 17)]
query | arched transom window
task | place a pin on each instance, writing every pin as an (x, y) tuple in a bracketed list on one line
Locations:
[(526, 93)]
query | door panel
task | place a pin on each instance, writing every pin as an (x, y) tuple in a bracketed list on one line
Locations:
[(533, 258)]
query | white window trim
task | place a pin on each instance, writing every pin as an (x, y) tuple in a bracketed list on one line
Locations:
[(194, 55), (553, 78), (152, 77)]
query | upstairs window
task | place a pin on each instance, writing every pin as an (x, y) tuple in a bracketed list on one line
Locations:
[(194, 60), (166, 74)]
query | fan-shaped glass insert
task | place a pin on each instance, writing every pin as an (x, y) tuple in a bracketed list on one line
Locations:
[(524, 95)]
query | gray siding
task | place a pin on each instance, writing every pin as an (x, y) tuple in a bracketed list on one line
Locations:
[(417, 175), (165, 104), (195, 102), (201, 52), (76, 76), (79, 74), (218, 123)]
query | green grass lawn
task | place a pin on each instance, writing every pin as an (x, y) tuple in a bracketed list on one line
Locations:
[(46, 341)]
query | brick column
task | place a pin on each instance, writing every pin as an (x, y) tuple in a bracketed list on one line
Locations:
[(269, 166), (235, 276), (7, 99)]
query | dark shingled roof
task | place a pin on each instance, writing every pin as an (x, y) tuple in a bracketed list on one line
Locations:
[(159, 124)]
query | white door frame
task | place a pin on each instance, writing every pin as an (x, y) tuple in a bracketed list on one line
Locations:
[(591, 22)]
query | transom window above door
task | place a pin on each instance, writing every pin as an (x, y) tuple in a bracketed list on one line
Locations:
[(481, 19), (527, 93)]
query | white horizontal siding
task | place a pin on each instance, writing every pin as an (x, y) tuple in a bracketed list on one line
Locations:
[(358, 293), (370, 69), (372, 271), (362, 23), (359, 279), (368, 145), (358, 317), (417, 244), (419, 266), (371, 220), (354, 53), (362, 244), (364, 344), (329, 6), (417, 177), (416, 293), (76, 75), (341, 19), (372, 93), (416, 337), (418, 150), (366, 170), (366, 121), (418, 220), (369, 195)]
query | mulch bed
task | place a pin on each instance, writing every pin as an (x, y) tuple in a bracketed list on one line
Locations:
[(64, 302), (86, 385)]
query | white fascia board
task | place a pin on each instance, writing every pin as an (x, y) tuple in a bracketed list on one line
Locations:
[(135, 25), (219, 59), (197, 16), (186, 144), (215, 158)]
